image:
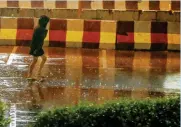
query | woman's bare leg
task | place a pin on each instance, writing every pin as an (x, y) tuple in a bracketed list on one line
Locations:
[(44, 59), (32, 65)]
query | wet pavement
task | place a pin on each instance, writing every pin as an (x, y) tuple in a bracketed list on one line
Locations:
[(75, 75)]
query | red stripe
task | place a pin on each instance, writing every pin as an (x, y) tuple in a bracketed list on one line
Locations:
[(57, 35), (24, 34), (125, 39), (92, 37), (159, 38)]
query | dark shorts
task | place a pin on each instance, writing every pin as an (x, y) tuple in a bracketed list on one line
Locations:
[(38, 53)]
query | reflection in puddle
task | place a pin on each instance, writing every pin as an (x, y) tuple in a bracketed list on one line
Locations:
[(171, 82), (76, 75)]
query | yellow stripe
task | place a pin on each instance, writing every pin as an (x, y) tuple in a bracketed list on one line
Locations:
[(72, 5), (3, 3), (173, 38), (49, 4), (74, 36), (107, 37), (142, 38), (96, 5), (143, 5), (165, 5), (8, 34), (121, 5), (25, 4), (46, 42)]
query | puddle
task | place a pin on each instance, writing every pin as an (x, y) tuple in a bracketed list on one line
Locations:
[(76, 75)]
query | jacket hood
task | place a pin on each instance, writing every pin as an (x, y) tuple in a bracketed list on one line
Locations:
[(43, 21)]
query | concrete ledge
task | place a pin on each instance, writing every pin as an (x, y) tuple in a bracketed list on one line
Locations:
[(88, 14), (125, 15), (57, 13), (100, 14), (147, 16), (104, 14), (25, 12), (12, 12), (168, 16)]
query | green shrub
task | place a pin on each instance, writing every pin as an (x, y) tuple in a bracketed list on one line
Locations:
[(3, 122), (160, 112)]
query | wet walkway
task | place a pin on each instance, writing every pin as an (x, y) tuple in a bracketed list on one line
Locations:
[(75, 75)]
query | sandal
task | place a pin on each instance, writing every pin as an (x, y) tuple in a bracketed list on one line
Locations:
[(31, 79)]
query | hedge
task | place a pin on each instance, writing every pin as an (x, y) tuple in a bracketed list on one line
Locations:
[(159, 112), (3, 121)]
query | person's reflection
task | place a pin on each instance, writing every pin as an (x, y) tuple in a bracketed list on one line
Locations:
[(45, 97), (35, 94)]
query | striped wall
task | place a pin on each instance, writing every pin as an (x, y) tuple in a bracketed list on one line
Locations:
[(121, 35), (101, 4)]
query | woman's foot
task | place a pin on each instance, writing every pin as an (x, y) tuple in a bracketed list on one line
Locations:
[(28, 75), (30, 78), (41, 77)]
